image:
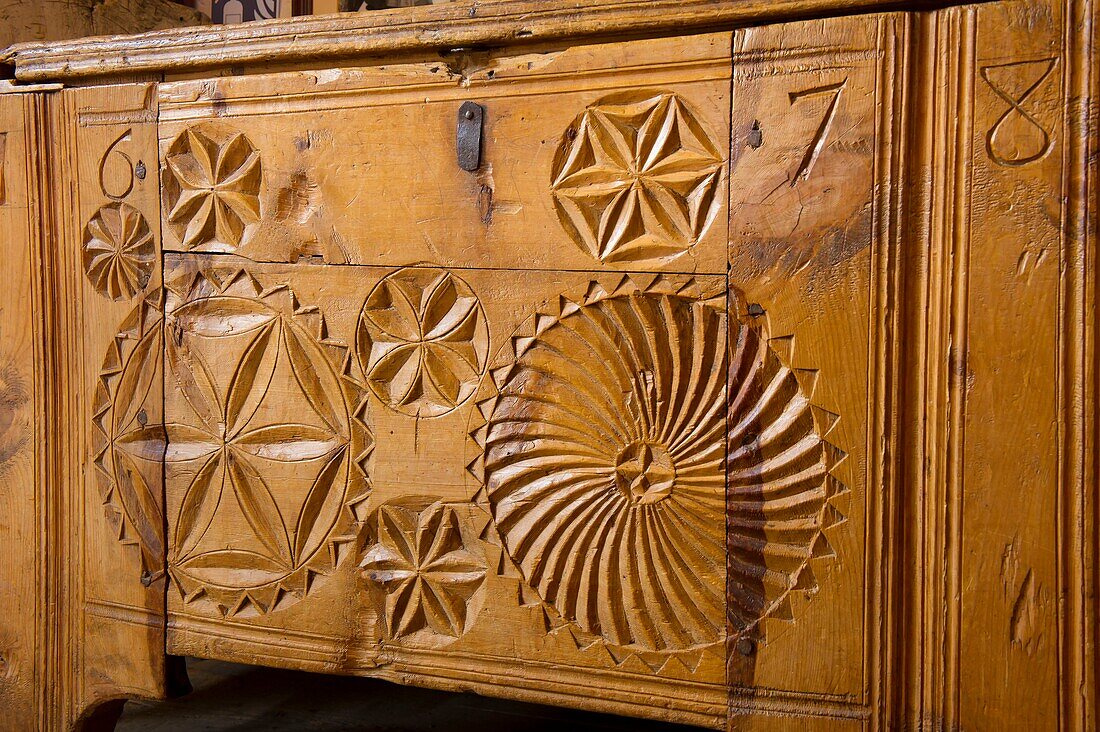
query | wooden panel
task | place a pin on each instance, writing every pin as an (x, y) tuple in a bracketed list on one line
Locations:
[(1013, 210), (749, 382), (998, 292), (456, 478), (112, 238), (594, 156), (20, 417), (813, 112)]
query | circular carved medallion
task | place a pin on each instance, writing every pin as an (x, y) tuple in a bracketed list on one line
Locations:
[(637, 178), (128, 439), (266, 461), (422, 571), (630, 494), (422, 341), (211, 186), (603, 465), (119, 252)]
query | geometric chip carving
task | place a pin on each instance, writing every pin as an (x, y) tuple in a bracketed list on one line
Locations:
[(422, 341), (601, 455), (636, 178), (211, 187), (421, 571), (267, 457), (128, 440), (119, 251)]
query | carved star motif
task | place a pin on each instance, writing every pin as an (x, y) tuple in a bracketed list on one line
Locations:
[(212, 185), (427, 573), (637, 179), (423, 341)]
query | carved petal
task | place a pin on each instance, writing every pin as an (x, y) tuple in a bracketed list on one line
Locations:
[(259, 507)]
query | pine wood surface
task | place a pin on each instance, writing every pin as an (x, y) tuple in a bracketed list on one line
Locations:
[(747, 381), (433, 28)]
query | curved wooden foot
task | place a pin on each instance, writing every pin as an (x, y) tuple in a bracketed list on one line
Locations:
[(101, 717)]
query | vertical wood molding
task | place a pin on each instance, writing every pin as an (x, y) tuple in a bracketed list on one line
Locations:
[(1000, 313), (933, 272), (1079, 536)]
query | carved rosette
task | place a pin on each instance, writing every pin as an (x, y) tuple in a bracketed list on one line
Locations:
[(119, 251), (211, 187), (128, 440), (421, 571), (645, 509), (267, 457), (636, 178), (781, 491), (422, 341), (602, 456)]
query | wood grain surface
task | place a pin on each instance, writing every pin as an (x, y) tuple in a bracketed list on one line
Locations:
[(745, 378)]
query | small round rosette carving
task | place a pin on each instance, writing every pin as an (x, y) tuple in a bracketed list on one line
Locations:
[(422, 341), (211, 186), (119, 251), (266, 458), (422, 571), (636, 178)]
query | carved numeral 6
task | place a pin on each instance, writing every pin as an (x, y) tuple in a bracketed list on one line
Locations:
[(120, 190)]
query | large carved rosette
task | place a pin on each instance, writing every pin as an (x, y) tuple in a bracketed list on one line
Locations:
[(781, 488), (655, 485), (128, 437), (266, 459), (603, 462)]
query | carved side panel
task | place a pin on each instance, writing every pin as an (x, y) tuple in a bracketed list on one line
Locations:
[(595, 157), (21, 457), (112, 240), (814, 111), (1009, 520), (1002, 305)]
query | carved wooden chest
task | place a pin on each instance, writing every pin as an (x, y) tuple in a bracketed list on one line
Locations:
[(728, 363)]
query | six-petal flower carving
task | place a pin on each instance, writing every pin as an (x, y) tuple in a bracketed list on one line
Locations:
[(637, 178), (119, 251), (261, 451), (422, 341), (211, 188), (419, 561), (128, 438)]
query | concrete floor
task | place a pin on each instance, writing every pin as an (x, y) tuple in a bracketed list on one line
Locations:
[(228, 697)]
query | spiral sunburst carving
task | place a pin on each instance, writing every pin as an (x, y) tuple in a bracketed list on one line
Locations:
[(603, 465), (657, 488), (780, 485)]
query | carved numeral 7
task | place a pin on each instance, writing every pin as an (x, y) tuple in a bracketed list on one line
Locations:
[(817, 144)]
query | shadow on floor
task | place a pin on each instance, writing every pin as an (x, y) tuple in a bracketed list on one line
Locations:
[(233, 698)]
